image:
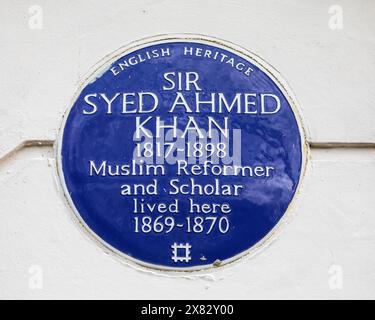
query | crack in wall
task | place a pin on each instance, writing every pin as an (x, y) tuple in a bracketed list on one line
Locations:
[(343, 145), (26, 144)]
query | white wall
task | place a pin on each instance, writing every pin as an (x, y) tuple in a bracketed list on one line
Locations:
[(332, 230)]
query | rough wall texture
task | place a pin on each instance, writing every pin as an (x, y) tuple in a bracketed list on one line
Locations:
[(326, 250)]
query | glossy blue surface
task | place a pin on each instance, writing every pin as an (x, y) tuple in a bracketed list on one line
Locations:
[(266, 139)]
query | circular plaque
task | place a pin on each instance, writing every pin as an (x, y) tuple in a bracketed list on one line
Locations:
[(181, 152)]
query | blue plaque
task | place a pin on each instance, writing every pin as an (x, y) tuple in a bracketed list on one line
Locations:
[(182, 152)]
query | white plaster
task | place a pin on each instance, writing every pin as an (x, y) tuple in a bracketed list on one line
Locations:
[(331, 74), (332, 223), (330, 71)]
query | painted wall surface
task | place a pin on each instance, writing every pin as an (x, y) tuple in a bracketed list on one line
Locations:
[(326, 52)]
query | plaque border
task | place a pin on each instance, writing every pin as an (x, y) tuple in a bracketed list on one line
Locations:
[(102, 66)]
